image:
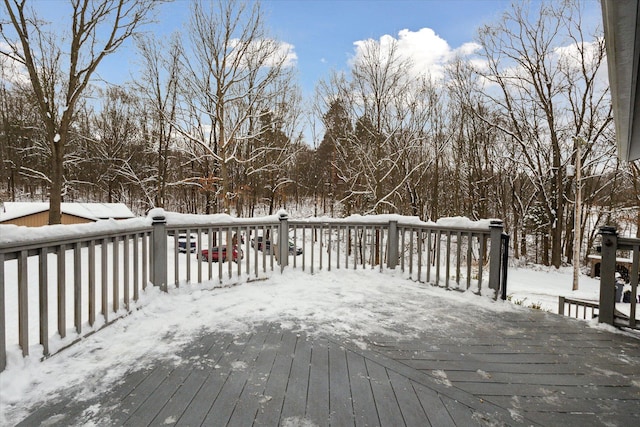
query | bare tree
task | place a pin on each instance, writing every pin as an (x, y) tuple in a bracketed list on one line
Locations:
[(232, 71), (19, 128), (383, 157), (59, 76), (158, 86), (544, 99), (115, 131)]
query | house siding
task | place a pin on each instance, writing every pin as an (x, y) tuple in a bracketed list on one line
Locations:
[(42, 218)]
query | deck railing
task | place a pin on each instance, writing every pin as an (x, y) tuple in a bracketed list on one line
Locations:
[(580, 309), (91, 279), (612, 245), (83, 281)]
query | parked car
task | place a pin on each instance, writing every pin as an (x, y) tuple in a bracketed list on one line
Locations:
[(265, 245), (294, 250), (182, 243), (258, 244), (215, 253)]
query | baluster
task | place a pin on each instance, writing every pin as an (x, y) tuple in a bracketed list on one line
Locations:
[(77, 288), (23, 303), (62, 296), (116, 274), (104, 278), (44, 299), (125, 272), (92, 282)]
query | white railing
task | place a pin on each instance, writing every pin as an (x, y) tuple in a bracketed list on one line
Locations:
[(89, 278)]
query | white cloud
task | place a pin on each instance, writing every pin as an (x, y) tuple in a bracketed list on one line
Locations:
[(10, 70), (428, 51), (287, 51), (265, 53), (467, 49), (571, 55)]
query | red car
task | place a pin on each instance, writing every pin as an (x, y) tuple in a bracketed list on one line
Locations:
[(236, 253)]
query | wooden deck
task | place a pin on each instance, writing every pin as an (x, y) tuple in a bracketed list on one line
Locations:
[(527, 368)]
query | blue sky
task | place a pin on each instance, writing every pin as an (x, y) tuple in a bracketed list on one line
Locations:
[(324, 33)]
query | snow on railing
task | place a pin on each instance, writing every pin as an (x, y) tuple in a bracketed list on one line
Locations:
[(50, 269)]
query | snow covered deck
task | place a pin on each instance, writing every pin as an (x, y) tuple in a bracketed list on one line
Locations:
[(356, 343), (337, 348)]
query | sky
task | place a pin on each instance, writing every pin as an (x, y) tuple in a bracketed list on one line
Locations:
[(324, 33)]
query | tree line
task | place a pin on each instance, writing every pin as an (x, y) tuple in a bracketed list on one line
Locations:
[(214, 121)]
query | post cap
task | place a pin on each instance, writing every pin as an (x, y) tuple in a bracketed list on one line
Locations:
[(282, 214), (157, 214), (608, 230)]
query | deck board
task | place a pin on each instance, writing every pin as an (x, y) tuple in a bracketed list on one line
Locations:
[(478, 375), (226, 401), (253, 394), (186, 391), (295, 399), (276, 386), (317, 405), (384, 396), (434, 408), (361, 393), (411, 408), (340, 404)]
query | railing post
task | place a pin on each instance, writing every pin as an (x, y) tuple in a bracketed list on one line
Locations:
[(392, 241), (607, 274), (3, 323), (283, 240), (495, 256), (505, 265), (159, 252)]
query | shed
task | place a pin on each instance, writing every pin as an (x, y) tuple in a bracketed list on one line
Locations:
[(36, 214), (623, 265)]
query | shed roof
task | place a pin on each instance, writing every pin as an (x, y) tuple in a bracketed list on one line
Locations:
[(92, 211)]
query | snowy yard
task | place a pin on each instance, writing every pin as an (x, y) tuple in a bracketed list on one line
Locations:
[(342, 303)]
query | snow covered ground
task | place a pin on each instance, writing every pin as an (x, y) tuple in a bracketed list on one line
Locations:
[(349, 303), (541, 286)]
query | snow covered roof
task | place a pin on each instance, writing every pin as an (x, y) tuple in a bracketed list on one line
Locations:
[(618, 259), (92, 211)]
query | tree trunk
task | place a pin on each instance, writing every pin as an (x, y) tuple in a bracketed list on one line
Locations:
[(57, 177), (545, 249)]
